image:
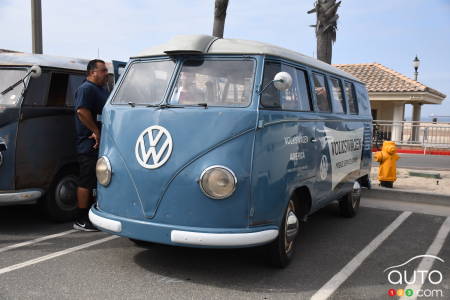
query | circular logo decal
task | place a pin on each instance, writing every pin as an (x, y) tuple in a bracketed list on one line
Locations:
[(153, 147), (323, 167)]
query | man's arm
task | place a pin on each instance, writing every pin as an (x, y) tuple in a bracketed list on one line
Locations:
[(87, 119)]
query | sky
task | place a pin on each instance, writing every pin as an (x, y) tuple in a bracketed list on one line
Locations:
[(384, 31)]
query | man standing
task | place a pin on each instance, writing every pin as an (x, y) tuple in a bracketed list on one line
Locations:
[(90, 98)]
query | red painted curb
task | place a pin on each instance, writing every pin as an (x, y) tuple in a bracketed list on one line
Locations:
[(419, 151)]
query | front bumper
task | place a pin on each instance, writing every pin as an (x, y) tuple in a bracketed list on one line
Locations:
[(182, 235), (20, 196)]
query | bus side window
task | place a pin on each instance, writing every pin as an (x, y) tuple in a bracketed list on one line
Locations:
[(37, 89), (363, 100), (350, 95), (338, 97), (305, 97), (72, 85), (320, 90), (58, 89), (271, 96), (290, 98)]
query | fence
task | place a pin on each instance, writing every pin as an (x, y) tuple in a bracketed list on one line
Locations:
[(412, 133)]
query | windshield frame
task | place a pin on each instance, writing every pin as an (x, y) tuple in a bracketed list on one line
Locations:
[(179, 61), (22, 85)]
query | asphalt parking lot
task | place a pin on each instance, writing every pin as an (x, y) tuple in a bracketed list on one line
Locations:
[(336, 258)]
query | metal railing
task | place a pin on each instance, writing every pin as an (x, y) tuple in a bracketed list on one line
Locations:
[(412, 133)]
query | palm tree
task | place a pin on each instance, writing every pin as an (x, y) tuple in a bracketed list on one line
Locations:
[(220, 13), (326, 27)]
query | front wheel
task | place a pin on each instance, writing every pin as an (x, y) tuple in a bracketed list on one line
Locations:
[(282, 248), (349, 204), (60, 201)]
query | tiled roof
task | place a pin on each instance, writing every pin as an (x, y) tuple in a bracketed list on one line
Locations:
[(379, 78)]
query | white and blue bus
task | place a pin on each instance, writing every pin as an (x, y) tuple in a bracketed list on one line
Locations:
[(210, 142)]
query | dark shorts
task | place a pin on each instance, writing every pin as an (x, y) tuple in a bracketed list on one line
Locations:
[(87, 178)]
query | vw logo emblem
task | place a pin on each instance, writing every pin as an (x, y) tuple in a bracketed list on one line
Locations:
[(323, 167), (153, 147)]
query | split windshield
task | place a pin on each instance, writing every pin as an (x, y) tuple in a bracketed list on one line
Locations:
[(214, 82), (7, 78), (205, 82), (145, 83)]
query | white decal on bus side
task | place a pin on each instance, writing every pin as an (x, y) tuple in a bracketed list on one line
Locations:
[(345, 148)]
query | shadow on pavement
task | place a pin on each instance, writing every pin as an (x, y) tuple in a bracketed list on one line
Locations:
[(24, 220), (247, 269)]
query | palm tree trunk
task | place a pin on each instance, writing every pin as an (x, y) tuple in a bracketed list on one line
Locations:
[(324, 46), (220, 13)]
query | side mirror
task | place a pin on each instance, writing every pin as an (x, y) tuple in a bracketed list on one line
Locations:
[(35, 71), (282, 81)]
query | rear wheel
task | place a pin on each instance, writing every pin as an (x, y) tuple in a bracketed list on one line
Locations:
[(349, 204), (60, 201), (282, 248)]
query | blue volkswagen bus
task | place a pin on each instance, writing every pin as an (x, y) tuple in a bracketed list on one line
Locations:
[(223, 143)]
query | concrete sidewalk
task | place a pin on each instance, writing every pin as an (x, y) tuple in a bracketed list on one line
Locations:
[(413, 189), (407, 196), (419, 184)]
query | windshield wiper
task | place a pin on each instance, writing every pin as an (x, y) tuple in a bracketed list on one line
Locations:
[(204, 104), (168, 105), (165, 105), (11, 87)]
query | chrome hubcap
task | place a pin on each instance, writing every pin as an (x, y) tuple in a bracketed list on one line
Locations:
[(356, 193), (291, 227)]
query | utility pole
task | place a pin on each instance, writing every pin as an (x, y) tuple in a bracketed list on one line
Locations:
[(36, 26)]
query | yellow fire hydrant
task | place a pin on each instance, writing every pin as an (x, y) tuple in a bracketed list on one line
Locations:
[(387, 157)]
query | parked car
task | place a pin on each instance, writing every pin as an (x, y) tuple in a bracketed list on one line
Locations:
[(37, 131)]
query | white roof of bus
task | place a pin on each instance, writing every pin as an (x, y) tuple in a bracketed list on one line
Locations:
[(213, 45), (43, 60)]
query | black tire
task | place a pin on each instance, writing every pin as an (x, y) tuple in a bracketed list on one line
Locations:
[(60, 201), (142, 244), (349, 204), (282, 249)]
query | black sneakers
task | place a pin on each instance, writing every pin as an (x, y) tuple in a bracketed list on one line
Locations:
[(83, 224)]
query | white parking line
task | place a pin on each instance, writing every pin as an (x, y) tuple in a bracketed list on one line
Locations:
[(56, 254), (47, 237), (427, 263), (336, 281)]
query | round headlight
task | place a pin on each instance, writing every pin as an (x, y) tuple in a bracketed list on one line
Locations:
[(218, 182), (103, 170)]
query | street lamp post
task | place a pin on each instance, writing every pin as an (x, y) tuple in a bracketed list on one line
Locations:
[(416, 107), (416, 64)]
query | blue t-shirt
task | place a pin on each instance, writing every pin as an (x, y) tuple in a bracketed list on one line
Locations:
[(92, 97)]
